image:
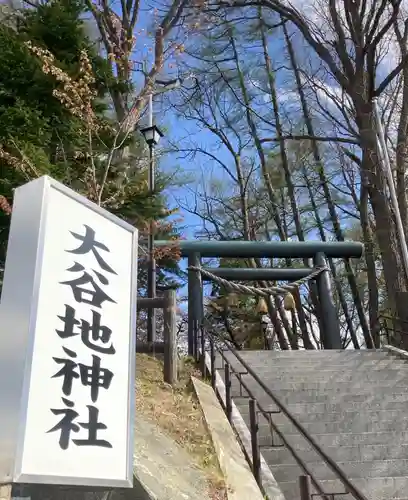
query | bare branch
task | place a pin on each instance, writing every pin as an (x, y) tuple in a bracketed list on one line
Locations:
[(311, 138)]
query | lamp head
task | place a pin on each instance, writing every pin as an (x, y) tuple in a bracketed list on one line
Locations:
[(152, 135)]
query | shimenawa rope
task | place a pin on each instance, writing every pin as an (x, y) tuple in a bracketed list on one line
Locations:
[(263, 292)]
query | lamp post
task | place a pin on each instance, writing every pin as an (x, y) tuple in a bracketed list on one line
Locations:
[(152, 136)]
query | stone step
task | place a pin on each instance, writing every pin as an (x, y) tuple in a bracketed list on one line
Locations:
[(321, 352), (313, 369), (346, 439), (318, 364), (336, 386), (305, 353), (301, 354), (305, 356), (337, 433), (346, 416), (359, 453), (313, 373), (375, 469), (319, 356), (385, 488), (274, 384), (318, 361), (313, 408), (307, 382), (322, 363), (384, 375), (364, 376), (343, 427), (327, 370), (311, 397)]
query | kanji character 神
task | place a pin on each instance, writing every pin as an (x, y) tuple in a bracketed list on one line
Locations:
[(91, 376)]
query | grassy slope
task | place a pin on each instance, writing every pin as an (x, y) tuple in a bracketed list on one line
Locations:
[(176, 411)]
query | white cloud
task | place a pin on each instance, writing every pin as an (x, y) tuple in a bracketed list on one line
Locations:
[(318, 17)]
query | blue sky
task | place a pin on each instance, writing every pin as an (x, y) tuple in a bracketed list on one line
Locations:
[(177, 129)]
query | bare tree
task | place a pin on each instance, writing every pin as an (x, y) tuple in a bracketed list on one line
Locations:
[(350, 39), (229, 86)]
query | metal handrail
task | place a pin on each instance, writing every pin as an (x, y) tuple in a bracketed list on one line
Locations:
[(357, 494), (274, 429), (392, 318), (391, 331)]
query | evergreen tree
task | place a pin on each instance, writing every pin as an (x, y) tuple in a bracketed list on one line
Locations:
[(40, 135)]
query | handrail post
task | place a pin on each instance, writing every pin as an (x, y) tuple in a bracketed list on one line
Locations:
[(212, 357), (305, 488), (170, 337), (351, 488), (228, 400), (203, 367), (330, 324), (256, 454)]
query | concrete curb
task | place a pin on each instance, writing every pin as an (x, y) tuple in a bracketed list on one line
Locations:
[(269, 483), (238, 476), (141, 491)]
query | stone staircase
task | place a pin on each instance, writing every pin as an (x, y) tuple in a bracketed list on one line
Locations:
[(354, 404)]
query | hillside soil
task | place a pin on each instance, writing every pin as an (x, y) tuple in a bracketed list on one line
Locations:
[(176, 411)]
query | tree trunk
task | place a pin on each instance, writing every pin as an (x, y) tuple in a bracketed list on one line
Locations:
[(307, 343), (271, 309), (369, 253), (386, 232), (402, 135), (333, 271), (328, 197)]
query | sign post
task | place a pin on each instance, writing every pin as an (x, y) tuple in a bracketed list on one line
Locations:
[(67, 342)]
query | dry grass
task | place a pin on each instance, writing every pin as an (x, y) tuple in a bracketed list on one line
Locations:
[(176, 411)]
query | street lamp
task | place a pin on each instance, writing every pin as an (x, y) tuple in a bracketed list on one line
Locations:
[(152, 136)]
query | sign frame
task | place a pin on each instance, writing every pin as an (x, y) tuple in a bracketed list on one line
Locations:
[(18, 316)]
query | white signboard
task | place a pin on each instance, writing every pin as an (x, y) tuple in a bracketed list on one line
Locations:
[(67, 335)]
